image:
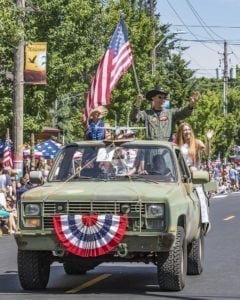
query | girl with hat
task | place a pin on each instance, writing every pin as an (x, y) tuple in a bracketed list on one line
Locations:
[(95, 129)]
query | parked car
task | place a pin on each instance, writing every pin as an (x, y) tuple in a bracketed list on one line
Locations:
[(90, 211)]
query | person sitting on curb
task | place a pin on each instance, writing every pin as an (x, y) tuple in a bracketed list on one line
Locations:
[(8, 216)]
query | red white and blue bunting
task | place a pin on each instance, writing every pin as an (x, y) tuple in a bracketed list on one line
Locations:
[(90, 235)]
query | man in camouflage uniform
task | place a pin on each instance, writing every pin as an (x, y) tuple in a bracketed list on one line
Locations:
[(160, 123)]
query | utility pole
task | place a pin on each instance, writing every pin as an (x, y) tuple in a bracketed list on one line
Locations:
[(18, 97), (225, 78)]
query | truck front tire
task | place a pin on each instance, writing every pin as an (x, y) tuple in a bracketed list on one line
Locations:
[(171, 266), (33, 269)]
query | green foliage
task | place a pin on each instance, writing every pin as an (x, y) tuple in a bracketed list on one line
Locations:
[(208, 114), (9, 37), (77, 33), (178, 81)]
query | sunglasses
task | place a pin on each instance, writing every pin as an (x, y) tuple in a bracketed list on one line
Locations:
[(161, 97)]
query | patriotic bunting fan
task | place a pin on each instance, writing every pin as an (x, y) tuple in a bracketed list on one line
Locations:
[(90, 235)]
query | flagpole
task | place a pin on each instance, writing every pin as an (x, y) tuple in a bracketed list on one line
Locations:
[(7, 134), (133, 65), (136, 79), (32, 154)]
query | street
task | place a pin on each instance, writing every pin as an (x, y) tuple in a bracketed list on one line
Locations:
[(219, 280)]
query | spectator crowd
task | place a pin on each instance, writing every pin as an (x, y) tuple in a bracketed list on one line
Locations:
[(11, 188), (226, 175)]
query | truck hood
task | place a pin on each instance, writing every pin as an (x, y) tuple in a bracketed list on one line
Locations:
[(103, 191)]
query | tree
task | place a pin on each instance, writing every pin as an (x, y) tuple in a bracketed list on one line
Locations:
[(208, 114), (77, 33), (9, 37), (73, 31)]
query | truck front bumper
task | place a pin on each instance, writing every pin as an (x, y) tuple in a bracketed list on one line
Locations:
[(142, 242)]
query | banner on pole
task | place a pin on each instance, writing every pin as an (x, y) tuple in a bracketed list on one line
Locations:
[(35, 63)]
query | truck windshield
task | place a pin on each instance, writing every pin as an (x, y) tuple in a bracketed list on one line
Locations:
[(114, 163)]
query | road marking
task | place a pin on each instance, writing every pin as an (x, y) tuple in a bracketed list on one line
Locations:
[(229, 218), (219, 196), (8, 272), (88, 283)]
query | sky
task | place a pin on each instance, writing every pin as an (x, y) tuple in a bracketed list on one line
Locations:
[(213, 20)]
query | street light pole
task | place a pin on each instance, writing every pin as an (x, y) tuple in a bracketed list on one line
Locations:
[(158, 45), (154, 53)]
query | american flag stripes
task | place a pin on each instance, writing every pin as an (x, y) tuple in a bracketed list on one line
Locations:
[(115, 62), (7, 155), (90, 235)]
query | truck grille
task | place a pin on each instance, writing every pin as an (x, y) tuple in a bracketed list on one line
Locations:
[(51, 208)]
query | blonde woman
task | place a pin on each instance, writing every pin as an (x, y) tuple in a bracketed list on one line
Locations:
[(191, 147)]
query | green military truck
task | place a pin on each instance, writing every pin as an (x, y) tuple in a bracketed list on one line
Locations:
[(105, 201)]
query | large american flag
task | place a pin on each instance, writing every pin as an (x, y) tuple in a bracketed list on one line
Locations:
[(7, 155), (115, 62)]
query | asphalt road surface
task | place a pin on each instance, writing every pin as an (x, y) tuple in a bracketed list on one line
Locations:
[(219, 280)]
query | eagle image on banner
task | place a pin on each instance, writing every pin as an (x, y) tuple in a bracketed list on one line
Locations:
[(35, 63), (90, 235)]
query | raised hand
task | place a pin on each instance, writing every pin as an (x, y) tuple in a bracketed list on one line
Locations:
[(209, 134), (194, 98), (139, 99)]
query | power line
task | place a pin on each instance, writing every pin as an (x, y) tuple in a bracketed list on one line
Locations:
[(208, 26), (187, 27), (203, 69), (204, 24), (236, 43), (201, 21), (199, 66)]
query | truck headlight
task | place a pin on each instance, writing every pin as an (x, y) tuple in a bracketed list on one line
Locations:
[(32, 209), (155, 210)]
